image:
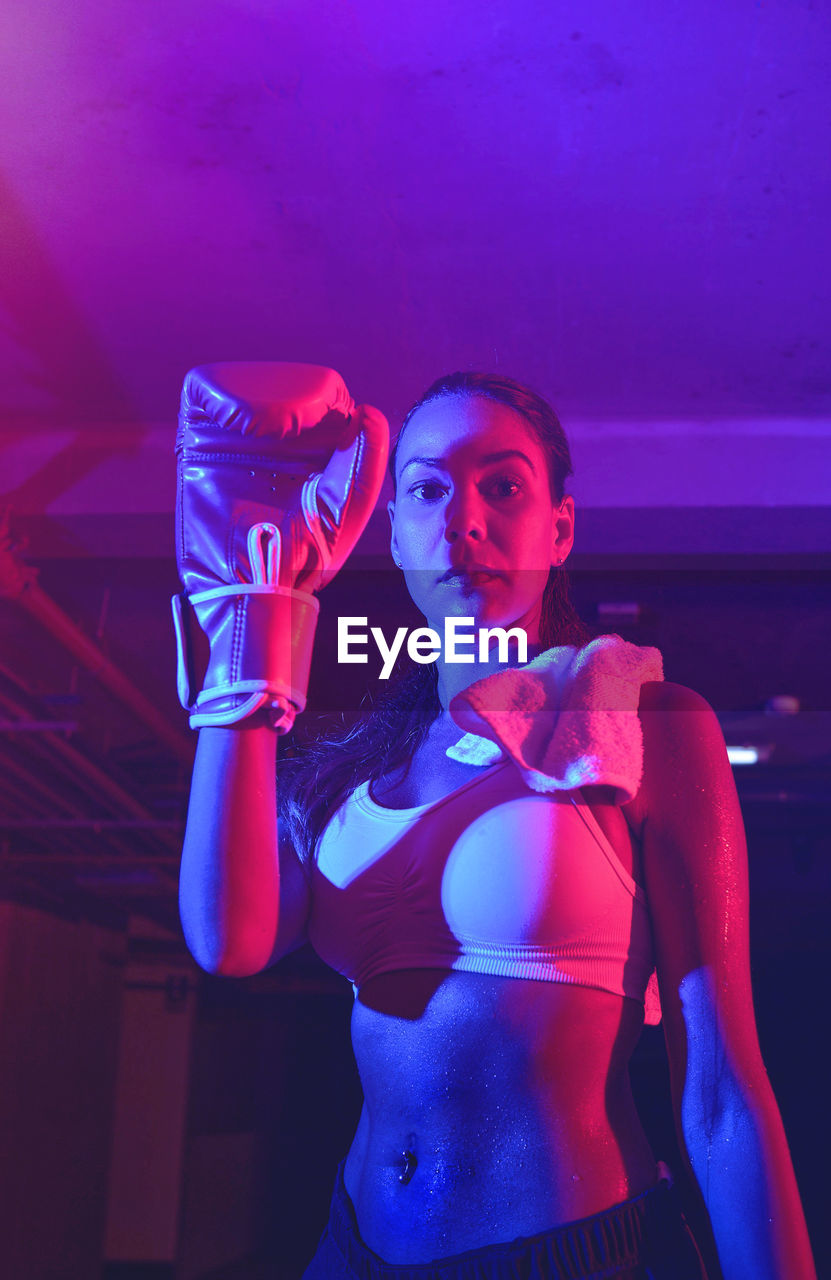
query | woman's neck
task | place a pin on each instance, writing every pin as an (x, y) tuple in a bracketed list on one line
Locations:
[(453, 677)]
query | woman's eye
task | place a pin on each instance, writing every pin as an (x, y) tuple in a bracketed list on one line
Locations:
[(426, 490), (505, 487)]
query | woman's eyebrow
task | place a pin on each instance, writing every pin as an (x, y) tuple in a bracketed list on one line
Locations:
[(510, 453), (441, 463)]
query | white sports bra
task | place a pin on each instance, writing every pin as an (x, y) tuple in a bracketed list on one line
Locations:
[(493, 878)]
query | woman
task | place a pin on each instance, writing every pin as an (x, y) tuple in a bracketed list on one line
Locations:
[(477, 894)]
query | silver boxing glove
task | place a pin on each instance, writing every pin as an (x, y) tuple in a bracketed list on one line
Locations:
[(278, 474)]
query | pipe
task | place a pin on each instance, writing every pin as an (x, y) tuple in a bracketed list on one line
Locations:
[(23, 778), (18, 581), (82, 861), (89, 824), (101, 781), (31, 788), (39, 726)]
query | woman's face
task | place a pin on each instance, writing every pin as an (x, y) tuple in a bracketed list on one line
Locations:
[(474, 524)]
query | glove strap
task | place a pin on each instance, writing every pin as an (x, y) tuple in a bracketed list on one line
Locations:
[(261, 637)]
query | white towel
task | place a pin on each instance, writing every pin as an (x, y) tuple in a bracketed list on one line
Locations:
[(569, 718)]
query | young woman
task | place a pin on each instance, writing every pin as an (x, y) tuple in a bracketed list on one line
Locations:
[(498, 899)]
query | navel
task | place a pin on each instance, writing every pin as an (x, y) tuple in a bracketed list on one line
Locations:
[(408, 1159)]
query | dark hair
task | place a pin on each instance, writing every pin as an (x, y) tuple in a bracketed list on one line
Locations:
[(537, 412), (386, 737)]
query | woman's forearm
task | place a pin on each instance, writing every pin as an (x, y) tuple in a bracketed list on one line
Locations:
[(229, 881), (743, 1167)]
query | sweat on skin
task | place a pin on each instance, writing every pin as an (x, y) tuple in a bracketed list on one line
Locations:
[(424, 644)]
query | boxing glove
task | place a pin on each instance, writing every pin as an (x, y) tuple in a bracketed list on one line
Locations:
[(278, 473)]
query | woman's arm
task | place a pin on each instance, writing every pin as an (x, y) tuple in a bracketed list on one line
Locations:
[(695, 865), (278, 472), (243, 902)]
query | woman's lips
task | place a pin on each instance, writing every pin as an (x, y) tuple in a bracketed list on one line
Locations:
[(469, 576)]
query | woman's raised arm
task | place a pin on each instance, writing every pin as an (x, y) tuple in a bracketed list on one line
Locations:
[(243, 902), (695, 865), (278, 473)]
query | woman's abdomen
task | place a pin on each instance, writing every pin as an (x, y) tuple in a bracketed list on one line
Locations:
[(493, 1108)]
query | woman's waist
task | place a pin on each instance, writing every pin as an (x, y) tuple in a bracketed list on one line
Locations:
[(493, 1119), (499, 1097), (493, 1108), (441, 1048), (423, 1188)]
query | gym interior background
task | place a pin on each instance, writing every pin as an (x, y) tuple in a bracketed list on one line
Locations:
[(624, 206)]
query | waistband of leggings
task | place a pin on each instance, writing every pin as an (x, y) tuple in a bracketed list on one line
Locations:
[(605, 1243)]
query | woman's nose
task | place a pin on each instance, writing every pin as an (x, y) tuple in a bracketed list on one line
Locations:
[(464, 517)]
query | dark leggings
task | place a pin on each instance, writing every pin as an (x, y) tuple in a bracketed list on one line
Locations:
[(645, 1238)]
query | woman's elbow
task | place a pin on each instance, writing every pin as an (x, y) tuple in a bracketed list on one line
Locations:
[(732, 1118), (225, 961), (236, 953)]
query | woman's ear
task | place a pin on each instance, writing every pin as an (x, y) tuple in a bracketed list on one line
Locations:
[(393, 542), (562, 532)]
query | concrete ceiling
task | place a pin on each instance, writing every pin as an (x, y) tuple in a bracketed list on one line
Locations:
[(626, 206)]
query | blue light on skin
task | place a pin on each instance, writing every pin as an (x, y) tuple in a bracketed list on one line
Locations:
[(473, 494)]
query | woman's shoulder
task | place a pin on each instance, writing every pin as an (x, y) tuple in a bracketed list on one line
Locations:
[(668, 697), (683, 746), (684, 753), (681, 730)]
